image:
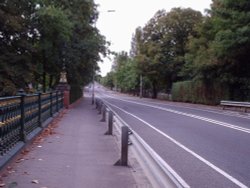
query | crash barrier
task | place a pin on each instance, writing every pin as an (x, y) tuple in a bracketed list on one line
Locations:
[(157, 170), (21, 117), (244, 105)]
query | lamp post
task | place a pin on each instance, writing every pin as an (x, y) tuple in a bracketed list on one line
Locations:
[(140, 86), (93, 88)]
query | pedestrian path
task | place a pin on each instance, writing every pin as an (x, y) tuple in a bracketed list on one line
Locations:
[(71, 153)]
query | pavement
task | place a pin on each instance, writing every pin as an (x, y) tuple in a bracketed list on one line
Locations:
[(73, 152)]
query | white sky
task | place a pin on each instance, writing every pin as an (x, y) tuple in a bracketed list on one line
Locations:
[(119, 26)]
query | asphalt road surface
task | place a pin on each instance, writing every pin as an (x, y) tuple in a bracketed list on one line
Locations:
[(206, 146)]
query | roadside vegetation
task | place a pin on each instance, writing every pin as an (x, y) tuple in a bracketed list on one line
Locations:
[(40, 38), (195, 58)]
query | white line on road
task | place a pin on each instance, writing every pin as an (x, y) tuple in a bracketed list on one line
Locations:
[(217, 169), (163, 163), (226, 113), (235, 127)]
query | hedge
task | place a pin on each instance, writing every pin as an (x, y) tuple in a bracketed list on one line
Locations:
[(199, 92), (76, 92)]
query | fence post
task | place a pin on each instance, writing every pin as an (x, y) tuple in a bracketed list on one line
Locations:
[(39, 109), (124, 148), (93, 98), (103, 113), (100, 107), (51, 105), (110, 123), (22, 120), (57, 102)]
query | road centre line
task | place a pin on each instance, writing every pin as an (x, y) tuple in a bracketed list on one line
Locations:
[(204, 110), (235, 127), (217, 169)]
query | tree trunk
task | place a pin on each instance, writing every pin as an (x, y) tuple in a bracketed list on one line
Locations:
[(50, 81), (44, 81), (44, 73), (155, 92)]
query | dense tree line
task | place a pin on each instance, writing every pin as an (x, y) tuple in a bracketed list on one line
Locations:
[(197, 58), (40, 38)]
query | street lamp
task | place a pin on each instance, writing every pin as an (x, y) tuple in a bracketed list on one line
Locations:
[(93, 87)]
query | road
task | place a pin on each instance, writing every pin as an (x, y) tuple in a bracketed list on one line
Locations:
[(206, 146)]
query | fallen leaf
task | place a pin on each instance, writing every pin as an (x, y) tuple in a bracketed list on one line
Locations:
[(35, 181), (25, 152), (19, 160), (4, 175)]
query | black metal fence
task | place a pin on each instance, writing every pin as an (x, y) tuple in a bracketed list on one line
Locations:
[(20, 115)]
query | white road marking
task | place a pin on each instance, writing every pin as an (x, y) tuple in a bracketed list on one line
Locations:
[(162, 162), (217, 169), (232, 114), (235, 127)]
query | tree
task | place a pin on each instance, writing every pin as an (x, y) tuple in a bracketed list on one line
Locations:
[(220, 51), (55, 29), (16, 68), (159, 48), (40, 37)]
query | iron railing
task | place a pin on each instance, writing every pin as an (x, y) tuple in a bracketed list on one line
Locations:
[(21, 115)]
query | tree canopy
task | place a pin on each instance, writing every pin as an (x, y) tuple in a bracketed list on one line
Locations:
[(40, 38), (208, 53)]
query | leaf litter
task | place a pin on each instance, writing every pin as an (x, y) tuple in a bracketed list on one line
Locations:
[(50, 130)]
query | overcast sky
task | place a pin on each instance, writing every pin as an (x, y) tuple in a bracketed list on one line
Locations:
[(119, 26)]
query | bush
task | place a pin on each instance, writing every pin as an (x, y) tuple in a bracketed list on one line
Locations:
[(199, 92)]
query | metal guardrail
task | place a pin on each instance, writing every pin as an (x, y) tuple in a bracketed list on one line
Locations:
[(21, 115), (158, 171), (237, 104)]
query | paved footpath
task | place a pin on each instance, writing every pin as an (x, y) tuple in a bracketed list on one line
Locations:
[(72, 152)]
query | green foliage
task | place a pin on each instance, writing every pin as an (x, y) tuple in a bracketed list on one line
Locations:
[(220, 51), (159, 47), (199, 92), (211, 50), (108, 80), (16, 67), (39, 38), (76, 92)]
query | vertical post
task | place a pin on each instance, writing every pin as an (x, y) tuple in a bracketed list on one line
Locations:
[(100, 107), (93, 88), (103, 113), (51, 105), (124, 148), (22, 120), (39, 109), (140, 86), (57, 102), (66, 98), (110, 123)]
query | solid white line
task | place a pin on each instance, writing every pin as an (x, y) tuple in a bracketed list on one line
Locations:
[(231, 114), (161, 161), (217, 169), (235, 127)]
